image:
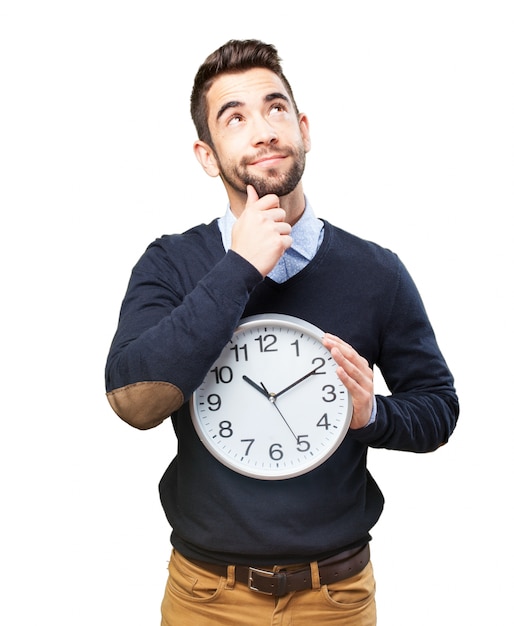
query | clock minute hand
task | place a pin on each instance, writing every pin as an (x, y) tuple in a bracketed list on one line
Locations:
[(296, 382)]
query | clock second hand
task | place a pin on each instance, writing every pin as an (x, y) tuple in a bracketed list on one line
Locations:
[(272, 398)]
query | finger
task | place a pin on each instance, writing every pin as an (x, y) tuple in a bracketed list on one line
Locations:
[(355, 365), (283, 228), (269, 201), (361, 376), (251, 194), (346, 350), (335, 340), (331, 341)]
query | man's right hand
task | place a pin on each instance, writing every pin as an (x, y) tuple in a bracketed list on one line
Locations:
[(260, 235)]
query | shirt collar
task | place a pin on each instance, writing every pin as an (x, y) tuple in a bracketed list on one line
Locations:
[(305, 233)]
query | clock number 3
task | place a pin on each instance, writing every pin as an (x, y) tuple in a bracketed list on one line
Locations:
[(330, 393)]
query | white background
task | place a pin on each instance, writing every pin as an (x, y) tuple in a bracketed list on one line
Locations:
[(411, 111)]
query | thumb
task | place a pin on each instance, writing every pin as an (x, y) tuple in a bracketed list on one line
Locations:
[(251, 194)]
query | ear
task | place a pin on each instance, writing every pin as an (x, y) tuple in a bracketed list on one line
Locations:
[(305, 131), (206, 157)]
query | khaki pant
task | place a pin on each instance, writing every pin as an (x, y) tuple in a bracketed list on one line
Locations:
[(195, 597)]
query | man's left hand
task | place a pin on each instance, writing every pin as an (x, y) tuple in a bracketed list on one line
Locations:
[(357, 376)]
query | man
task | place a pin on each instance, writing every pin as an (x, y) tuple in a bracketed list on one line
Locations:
[(292, 551)]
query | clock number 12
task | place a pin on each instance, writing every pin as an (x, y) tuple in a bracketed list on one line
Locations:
[(266, 343)]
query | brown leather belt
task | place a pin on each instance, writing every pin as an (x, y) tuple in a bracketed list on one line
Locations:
[(279, 583)]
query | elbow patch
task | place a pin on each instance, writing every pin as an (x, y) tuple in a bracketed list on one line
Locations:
[(145, 404)]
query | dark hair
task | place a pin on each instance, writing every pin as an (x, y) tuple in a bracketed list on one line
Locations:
[(234, 56)]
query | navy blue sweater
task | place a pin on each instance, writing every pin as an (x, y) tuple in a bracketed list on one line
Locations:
[(185, 298)]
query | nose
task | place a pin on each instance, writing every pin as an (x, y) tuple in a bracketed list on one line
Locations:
[(263, 132)]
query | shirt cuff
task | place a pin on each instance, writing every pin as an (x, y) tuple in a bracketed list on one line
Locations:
[(373, 416)]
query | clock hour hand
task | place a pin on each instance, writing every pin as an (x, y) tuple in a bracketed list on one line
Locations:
[(296, 382), (256, 386)]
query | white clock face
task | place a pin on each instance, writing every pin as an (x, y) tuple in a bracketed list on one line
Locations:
[(272, 406)]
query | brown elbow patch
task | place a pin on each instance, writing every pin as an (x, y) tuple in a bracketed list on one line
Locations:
[(145, 404)]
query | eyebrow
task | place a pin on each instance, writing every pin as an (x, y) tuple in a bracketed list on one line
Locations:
[(233, 104)]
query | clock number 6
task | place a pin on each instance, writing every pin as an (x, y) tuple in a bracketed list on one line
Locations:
[(275, 452)]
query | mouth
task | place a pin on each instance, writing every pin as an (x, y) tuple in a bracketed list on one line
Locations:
[(268, 160)]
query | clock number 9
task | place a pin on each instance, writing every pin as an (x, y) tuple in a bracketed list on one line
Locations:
[(214, 402)]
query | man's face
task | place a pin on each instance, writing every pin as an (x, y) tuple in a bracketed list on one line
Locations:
[(258, 138)]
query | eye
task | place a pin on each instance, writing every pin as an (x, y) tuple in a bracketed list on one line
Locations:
[(234, 119), (278, 108)]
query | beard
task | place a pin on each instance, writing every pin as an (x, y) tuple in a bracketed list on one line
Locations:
[(273, 181)]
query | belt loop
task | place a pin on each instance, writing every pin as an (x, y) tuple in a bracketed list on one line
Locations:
[(316, 583), (231, 577)]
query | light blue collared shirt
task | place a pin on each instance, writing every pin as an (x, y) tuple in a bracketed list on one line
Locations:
[(307, 236)]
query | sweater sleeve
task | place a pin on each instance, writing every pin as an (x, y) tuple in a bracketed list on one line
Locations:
[(175, 319), (422, 410)]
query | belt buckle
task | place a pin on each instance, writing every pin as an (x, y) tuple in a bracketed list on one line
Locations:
[(280, 577)]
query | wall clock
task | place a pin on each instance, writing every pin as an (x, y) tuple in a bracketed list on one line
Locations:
[(271, 406)]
